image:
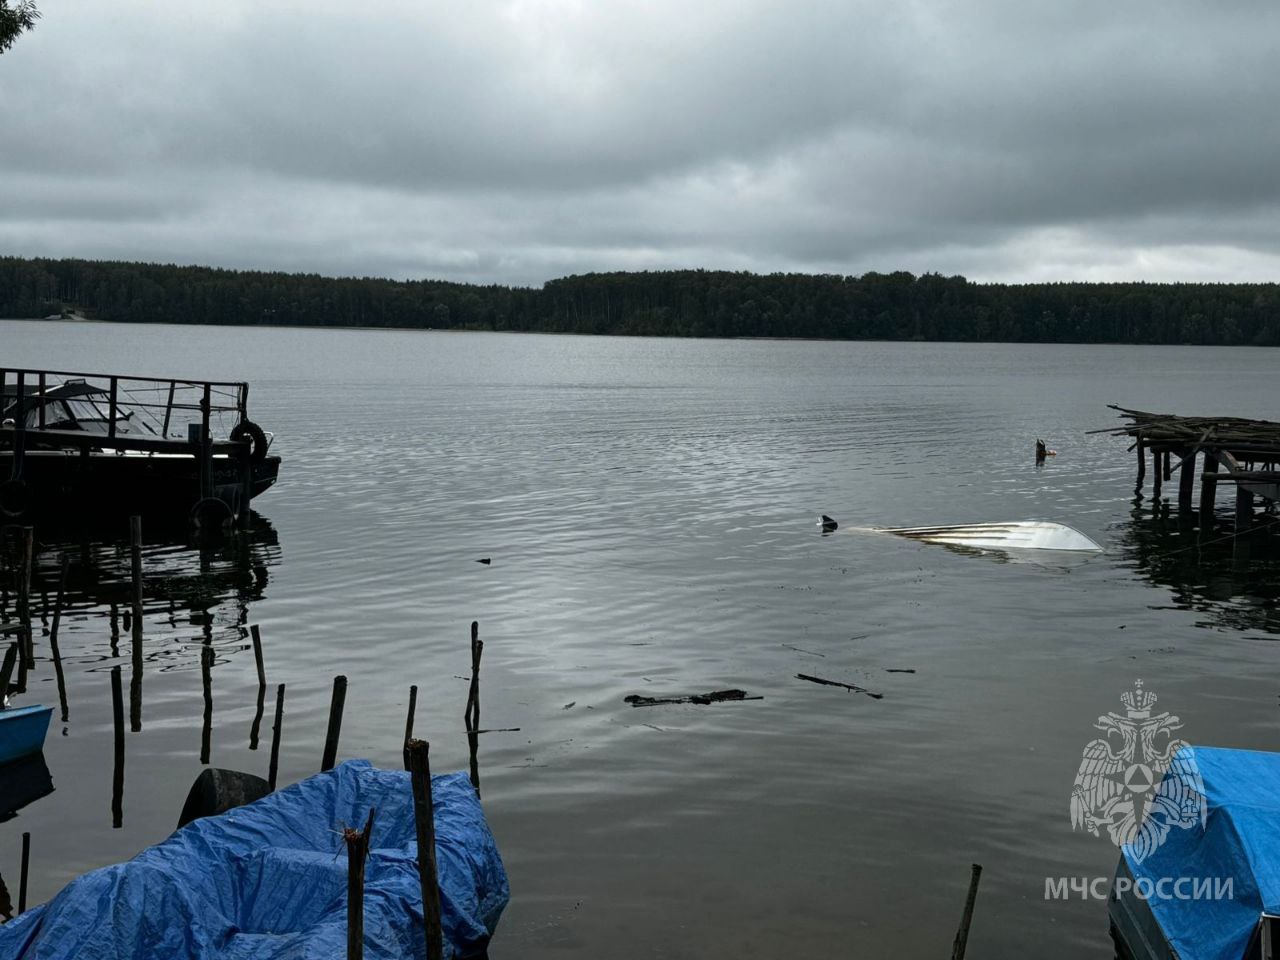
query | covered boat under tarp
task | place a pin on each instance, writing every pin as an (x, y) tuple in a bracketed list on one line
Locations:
[(268, 881), (1230, 869)]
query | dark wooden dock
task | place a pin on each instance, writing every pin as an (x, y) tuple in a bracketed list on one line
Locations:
[(178, 417), (1231, 450)]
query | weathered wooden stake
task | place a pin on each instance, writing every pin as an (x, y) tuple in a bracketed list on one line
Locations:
[(1142, 461), (473, 748), (256, 634), (357, 854), (424, 821), (24, 604), (471, 716), (1166, 466), (117, 779), (1244, 521), (135, 556), (275, 739), (1208, 492), (408, 723), (1157, 473), (335, 723), (22, 878), (962, 935), (206, 680), (53, 635)]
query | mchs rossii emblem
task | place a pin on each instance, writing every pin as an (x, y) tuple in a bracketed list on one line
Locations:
[(1137, 781)]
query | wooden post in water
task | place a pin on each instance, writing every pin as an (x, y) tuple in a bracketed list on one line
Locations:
[(246, 486), (962, 935), (1208, 492), (206, 447), (117, 779), (424, 822), (1187, 481), (357, 853), (471, 716), (135, 559), (335, 723), (1244, 521), (24, 601), (22, 876), (1142, 461), (206, 681), (408, 723), (256, 635), (1157, 473), (1166, 467), (275, 739), (53, 636)]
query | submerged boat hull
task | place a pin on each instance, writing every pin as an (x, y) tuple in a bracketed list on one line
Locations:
[(22, 732), (1015, 535)]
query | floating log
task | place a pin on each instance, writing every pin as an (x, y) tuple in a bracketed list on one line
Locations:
[(715, 696), (839, 683)]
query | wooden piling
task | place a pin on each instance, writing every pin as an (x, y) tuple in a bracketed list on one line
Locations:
[(1244, 513), (471, 715), (1208, 491), (1166, 467), (24, 598), (1187, 481), (473, 750), (22, 877), (357, 853), (1142, 461), (962, 935), (275, 739), (206, 680), (1157, 473), (335, 723), (408, 723), (256, 634), (117, 779), (135, 557), (54, 652), (424, 822)]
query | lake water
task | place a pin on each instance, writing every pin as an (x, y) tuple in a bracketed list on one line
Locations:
[(649, 508)]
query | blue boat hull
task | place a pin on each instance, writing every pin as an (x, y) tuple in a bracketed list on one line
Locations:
[(22, 732)]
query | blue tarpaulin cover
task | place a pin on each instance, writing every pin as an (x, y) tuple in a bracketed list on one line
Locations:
[(1240, 841), (268, 881)]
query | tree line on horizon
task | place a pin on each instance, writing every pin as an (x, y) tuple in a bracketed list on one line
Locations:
[(681, 303)]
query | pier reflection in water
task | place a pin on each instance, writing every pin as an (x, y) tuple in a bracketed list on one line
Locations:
[(196, 599), (1205, 573)]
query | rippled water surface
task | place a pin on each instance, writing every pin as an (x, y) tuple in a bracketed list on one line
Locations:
[(649, 509)]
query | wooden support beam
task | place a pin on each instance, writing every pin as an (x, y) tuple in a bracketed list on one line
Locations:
[(1208, 491), (1187, 481)]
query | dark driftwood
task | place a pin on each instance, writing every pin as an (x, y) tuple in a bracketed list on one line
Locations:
[(424, 823), (837, 683), (715, 696)]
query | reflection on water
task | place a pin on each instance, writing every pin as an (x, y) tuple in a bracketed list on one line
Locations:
[(1205, 573)]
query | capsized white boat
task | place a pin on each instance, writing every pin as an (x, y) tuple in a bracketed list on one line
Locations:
[(1014, 535)]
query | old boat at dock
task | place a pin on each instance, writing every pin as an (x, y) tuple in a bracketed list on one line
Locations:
[(105, 443)]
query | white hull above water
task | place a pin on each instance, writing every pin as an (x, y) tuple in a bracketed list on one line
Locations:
[(1014, 535)]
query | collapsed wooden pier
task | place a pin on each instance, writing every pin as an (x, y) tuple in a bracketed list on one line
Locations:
[(1233, 450)]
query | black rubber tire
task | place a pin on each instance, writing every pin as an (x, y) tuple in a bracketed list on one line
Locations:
[(248, 430), (13, 499)]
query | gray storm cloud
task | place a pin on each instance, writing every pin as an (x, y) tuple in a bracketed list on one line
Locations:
[(518, 141)]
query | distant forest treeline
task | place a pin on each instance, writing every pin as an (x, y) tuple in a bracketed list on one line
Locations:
[(683, 303)]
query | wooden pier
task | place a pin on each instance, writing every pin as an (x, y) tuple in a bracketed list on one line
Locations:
[(1232, 451), (92, 415)]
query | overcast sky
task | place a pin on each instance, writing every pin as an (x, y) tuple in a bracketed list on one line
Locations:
[(1011, 140)]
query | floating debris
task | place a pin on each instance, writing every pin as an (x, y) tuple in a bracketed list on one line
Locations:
[(485, 560), (800, 650), (899, 670), (715, 696), (837, 683)]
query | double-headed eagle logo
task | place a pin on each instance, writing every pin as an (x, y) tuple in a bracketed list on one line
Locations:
[(1137, 781)]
